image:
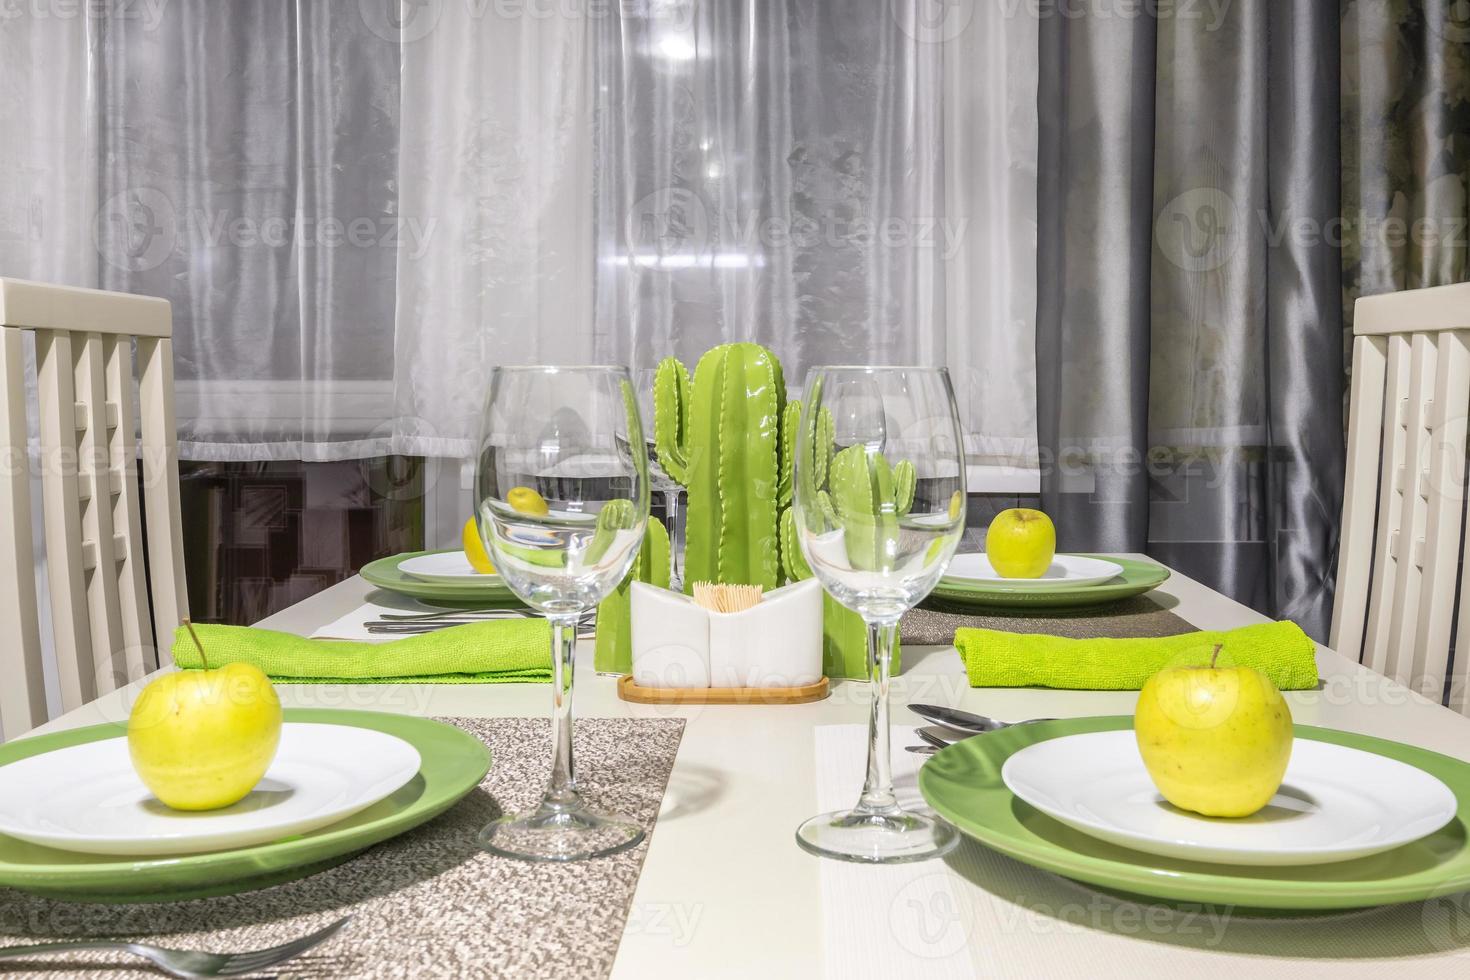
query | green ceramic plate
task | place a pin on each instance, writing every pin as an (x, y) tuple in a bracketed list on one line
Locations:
[(385, 574), (963, 785), (1138, 577), (454, 762)]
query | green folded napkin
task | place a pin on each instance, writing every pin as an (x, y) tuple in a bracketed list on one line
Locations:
[(506, 651), (993, 658)]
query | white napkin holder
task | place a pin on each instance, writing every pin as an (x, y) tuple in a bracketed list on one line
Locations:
[(775, 643)]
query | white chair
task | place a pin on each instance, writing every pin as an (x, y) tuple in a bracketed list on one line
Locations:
[(1398, 567), (103, 632)]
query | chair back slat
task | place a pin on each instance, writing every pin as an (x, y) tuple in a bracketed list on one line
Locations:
[(140, 653), (1413, 487), (1389, 549), (1406, 493), (1360, 496), (167, 584), (23, 693), (94, 476), (61, 510), (116, 581), (1444, 507)]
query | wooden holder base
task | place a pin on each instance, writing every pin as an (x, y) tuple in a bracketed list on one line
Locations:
[(629, 691)]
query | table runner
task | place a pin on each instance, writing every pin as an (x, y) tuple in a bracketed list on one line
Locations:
[(428, 903), (934, 623)]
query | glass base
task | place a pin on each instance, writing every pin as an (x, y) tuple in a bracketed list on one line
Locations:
[(551, 833), (890, 836)]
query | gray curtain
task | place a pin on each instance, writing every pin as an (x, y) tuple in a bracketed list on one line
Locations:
[(1189, 328)]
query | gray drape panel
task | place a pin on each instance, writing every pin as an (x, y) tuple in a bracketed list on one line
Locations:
[(1189, 331)]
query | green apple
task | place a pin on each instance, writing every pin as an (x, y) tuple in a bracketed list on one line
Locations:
[(1215, 740), (1020, 543), (202, 739)]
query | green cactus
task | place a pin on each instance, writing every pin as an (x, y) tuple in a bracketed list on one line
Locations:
[(671, 419), (615, 516), (722, 436), (614, 649)]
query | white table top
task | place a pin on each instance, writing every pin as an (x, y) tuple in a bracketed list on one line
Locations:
[(726, 892)]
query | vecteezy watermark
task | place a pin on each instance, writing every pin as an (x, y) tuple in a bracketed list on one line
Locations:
[(1202, 229), (939, 21), (935, 21), (935, 916), (1204, 924), (1199, 230), (1445, 918), (673, 228), (139, 228), (675, 922), (407, 21), (146, 13)]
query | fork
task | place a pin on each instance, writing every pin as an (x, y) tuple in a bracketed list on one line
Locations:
[(187, 962)]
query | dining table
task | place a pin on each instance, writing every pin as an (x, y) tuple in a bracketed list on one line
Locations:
[(724, 891)]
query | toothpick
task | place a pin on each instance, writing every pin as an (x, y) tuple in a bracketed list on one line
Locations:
[(725, 598), (199, 646)]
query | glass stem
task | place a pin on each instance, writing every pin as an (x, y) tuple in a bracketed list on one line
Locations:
[(561, 793), (878, 787), (671, 515)]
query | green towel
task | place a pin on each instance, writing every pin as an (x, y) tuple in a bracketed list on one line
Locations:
[(507, 651), (992, 658)]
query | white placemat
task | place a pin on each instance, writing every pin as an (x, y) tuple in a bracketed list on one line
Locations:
[(903, 920)]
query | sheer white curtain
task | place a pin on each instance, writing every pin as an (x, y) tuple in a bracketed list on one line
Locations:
[(358, 206), (497, 157)]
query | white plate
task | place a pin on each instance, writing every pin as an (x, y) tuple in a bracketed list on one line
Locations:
[(1336, 803), (88, 798), (444, 566), (1068, 570)]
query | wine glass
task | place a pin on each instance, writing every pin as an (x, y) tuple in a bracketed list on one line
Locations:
[(572, 435), (661, 482), (880, 494)]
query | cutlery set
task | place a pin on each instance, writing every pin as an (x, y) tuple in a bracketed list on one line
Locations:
[(950, 725), (411, 624)]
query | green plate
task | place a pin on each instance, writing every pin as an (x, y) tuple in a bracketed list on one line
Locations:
[(385, 574), (1138, 577), (454, 762), (962, 783)]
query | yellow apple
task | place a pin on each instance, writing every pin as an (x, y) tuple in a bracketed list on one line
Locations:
[(1215, 740), (1020, 543), (474, 548), (202, 739)]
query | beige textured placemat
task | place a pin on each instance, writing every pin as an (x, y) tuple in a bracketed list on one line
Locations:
[(428, 903), (933, 624)]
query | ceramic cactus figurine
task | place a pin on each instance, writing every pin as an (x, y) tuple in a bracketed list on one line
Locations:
[(723, 435), (614, 650)]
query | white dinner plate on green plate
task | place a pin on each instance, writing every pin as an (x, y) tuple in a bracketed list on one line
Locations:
[(444, 566), (479, 590), (1065, 570), (1336, 803), (87, 798)]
